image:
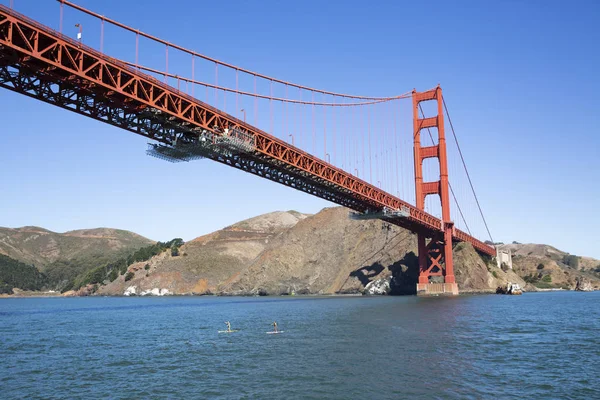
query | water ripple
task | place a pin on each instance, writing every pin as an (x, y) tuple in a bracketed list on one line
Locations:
[(535, 345)]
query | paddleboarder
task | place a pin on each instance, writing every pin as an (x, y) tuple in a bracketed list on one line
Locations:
[(228, 326), (275, 327)]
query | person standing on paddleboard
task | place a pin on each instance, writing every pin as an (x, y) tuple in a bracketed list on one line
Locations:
[(228, 326), (275, 327)]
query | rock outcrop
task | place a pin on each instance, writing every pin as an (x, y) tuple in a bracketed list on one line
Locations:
[(378, 287), (133, 291), (583, 285)]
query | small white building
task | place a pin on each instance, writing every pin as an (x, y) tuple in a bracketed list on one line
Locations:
[(504, 257)]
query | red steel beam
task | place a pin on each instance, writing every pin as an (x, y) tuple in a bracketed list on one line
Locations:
[(125, 84)]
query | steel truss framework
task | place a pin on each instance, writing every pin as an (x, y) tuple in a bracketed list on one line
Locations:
[(43, 64), (438, 250)]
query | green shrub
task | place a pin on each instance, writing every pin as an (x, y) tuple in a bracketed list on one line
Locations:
[(494, 274), (129, 276), (530, 279), (571, 260), (547, 278), (5, 288), (112, 270), (544, 285), (15, 274), (114, 274)]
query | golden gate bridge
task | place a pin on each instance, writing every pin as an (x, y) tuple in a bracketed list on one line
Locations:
[(348, 149)]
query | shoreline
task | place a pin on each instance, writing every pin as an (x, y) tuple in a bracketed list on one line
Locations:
[(465, 292)]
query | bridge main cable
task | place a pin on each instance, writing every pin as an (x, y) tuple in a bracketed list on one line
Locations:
[(262, 96), (207, 58)]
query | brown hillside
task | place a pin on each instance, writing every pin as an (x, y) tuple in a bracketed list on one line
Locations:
[(291, 253), (206, 262)]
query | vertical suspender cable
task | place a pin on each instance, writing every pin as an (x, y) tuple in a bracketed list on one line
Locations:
[(284, 120), (301, 119), (333, 126), (271, 108), (375, 142), (60, 20), (370, 158), (397, 154), (362, 141), (167, 63), (314, 137), (216, 83), (137, 49), (255, 104), (193, 74), (325, 130), (101, 35)]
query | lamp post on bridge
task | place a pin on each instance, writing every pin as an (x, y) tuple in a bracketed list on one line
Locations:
[(379, 184), (244, 111), (292, 136), (328, 158), (80, 33), (356, 170)]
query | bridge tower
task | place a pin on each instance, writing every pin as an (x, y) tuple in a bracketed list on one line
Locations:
[(436, 269)]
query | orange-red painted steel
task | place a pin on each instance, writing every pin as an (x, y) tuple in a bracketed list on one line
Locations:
[(112, 81), (440, 244)]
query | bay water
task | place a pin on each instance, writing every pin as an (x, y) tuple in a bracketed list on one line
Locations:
[(544, 345)]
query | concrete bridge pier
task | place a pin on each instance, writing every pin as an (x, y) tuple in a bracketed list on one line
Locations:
[(437, 289)]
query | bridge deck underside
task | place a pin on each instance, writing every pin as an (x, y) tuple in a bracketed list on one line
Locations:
[(47, 66)]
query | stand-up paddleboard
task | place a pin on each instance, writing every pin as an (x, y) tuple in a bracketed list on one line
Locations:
[(274, 333), (231, 331)]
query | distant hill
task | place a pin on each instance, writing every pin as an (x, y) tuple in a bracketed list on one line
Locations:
[(63, 256), (548, 267), (283, 252)]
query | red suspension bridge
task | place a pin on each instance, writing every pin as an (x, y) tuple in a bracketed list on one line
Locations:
[(366, 160)]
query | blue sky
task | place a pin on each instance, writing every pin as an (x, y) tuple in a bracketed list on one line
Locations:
[(520, 79)]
